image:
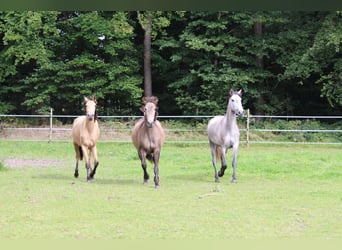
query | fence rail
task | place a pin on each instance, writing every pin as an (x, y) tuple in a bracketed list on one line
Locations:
[(118, 128)]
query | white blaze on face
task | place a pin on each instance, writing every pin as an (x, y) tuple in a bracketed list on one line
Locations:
[(150, 113)]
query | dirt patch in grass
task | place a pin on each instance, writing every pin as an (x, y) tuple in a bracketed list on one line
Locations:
[(39, 163)]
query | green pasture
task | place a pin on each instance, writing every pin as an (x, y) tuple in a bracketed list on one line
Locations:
[(282, 192)]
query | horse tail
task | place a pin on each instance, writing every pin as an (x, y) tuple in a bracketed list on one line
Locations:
[(149, 157), (81, 152), (218, 153)]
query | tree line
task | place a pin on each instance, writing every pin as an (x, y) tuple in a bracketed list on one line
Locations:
[(285, 62)]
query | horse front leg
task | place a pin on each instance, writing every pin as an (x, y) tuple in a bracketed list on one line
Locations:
[(96, 162), (223, 161), (87, 162), (76, 170), (142, 156), (213, 157), (156, 168), (78, 157), (235, 152)]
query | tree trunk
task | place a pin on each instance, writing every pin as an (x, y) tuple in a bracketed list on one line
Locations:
[(147, 57)]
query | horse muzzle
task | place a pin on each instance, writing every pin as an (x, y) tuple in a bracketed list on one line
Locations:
[(90, 117), (240, 112), (149, 124)]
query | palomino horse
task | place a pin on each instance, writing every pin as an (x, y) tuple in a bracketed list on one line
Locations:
[(223, 133), (85, 133), (148, 137)]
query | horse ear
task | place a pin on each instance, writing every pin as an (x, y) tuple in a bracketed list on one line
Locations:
[(144, 100), (142, 109), (240, 92), (94, 99), (231, 92), (86, 99)]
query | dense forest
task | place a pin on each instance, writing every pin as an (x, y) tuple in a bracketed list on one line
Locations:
[(286, 62)]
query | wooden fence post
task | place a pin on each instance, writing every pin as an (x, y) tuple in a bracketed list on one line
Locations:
[(50, 132), (247, 129)]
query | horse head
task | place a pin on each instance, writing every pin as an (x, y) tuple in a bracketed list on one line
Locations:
[(90, 106), (150, 110), (234, 103)]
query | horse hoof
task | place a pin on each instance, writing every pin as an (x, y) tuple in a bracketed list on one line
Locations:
[(76, 174), (217, 180), (157, 186), (233, 180), (90, 179)]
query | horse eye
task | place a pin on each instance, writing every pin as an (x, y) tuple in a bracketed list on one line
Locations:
[(233, 100)]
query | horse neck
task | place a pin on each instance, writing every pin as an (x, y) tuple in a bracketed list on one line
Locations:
[(151, 132), (230, 117), (90, 124)]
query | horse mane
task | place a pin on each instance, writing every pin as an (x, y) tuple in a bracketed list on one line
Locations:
[(152, 99)]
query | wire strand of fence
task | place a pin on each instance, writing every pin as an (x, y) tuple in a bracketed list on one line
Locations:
[(183, 133)]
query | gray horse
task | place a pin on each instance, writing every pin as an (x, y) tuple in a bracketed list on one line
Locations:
[(223, 133)]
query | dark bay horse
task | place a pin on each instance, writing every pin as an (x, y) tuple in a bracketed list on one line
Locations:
[(223, 133), (85, 133), (148, 137)]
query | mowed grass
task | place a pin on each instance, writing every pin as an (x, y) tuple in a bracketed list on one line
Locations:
[(282, 191)]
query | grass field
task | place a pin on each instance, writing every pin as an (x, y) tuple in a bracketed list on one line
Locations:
[(283, 192)]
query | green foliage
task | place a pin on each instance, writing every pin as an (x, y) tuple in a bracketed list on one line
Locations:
[(89, 53), (322, 57), (50, 59)]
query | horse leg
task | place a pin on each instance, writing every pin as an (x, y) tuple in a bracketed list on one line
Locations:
[(142, 156), (235, 152), (78, 157), (87, 162), (213, 157), (223, 161), (156, 169), (96, 163)]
